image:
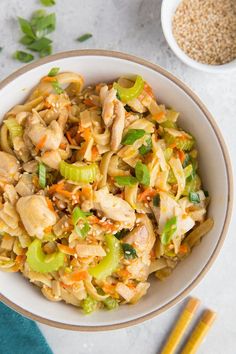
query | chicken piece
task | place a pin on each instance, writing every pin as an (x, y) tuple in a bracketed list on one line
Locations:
[(20, 149), (108, 106), (138, 270), (114, 207), (118, 126), (51, 159), (25, 185), (10, 194), (9, 167), (142, 237), (9, 216), (35, 214), (37, 132)]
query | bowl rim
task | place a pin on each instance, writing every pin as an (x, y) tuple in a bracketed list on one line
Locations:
[(179, 297), (219, 69)]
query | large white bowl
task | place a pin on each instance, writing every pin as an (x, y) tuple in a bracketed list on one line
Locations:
[(215, 169), (168, 9)]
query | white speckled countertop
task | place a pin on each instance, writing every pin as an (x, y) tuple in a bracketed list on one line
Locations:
[(134, 27)]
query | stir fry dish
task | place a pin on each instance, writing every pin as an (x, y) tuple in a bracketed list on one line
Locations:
[(99, 189)]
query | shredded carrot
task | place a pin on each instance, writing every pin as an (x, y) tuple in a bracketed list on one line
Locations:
[(123, 273), (181, 155), (66, 286), (48, 230), (71, 141), (59, 188), (50, 205), (41, 143), (66, 249), (108, 288), (94, 153), (152, 254), (48, 79), (20, 259), (183, 249), (78, 276), (63, 146), (149, 192), (158, 116), (93, 219), (172, 146), (86, 192), (86, 134), (88, 102)]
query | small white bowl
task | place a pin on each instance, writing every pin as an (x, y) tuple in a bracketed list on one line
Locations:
[(167, 12), (215, 170)]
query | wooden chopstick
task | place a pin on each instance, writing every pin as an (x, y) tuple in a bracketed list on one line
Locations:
[(181, 325), (199, 332)]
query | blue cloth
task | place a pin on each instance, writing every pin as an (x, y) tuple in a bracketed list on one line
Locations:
[(18, 335)]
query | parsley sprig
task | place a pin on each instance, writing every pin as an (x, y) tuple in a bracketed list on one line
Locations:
[(34, 35)]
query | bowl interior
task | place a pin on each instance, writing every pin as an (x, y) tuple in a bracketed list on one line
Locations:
[(167, 12), (96, 68)]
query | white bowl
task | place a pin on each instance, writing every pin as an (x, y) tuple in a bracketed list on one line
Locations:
[(167, 12), (97, 66)]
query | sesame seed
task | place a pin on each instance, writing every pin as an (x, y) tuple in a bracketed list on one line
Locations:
[(206, 30)]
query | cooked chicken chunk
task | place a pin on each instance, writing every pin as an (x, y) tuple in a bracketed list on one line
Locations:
[(50, 136), (51, 159), (9, 167), (35, 214), (142, 237), (114, 207), (108, 106)]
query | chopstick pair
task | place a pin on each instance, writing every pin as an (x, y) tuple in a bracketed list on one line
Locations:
[(198, 333)]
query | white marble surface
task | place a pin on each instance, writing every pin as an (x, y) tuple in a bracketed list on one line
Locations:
[(134, 27)]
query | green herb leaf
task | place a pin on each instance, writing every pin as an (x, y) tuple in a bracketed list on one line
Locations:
[(122, 233), (23, 56), (169, 230), (79, 214), (186, 160), (142, 174), (82, 232), (44, 25), (1, 48), (132, 135), (40, 44), (129, 251), (45, 51), (26, 40), (125, 180), (57, 88), (36, 15), (194, 197), (48, 2), (128, 108), (144, 149), (26, 27), (84, 37), (206, 193), (53, 71), (42, 175), (156, 200)]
